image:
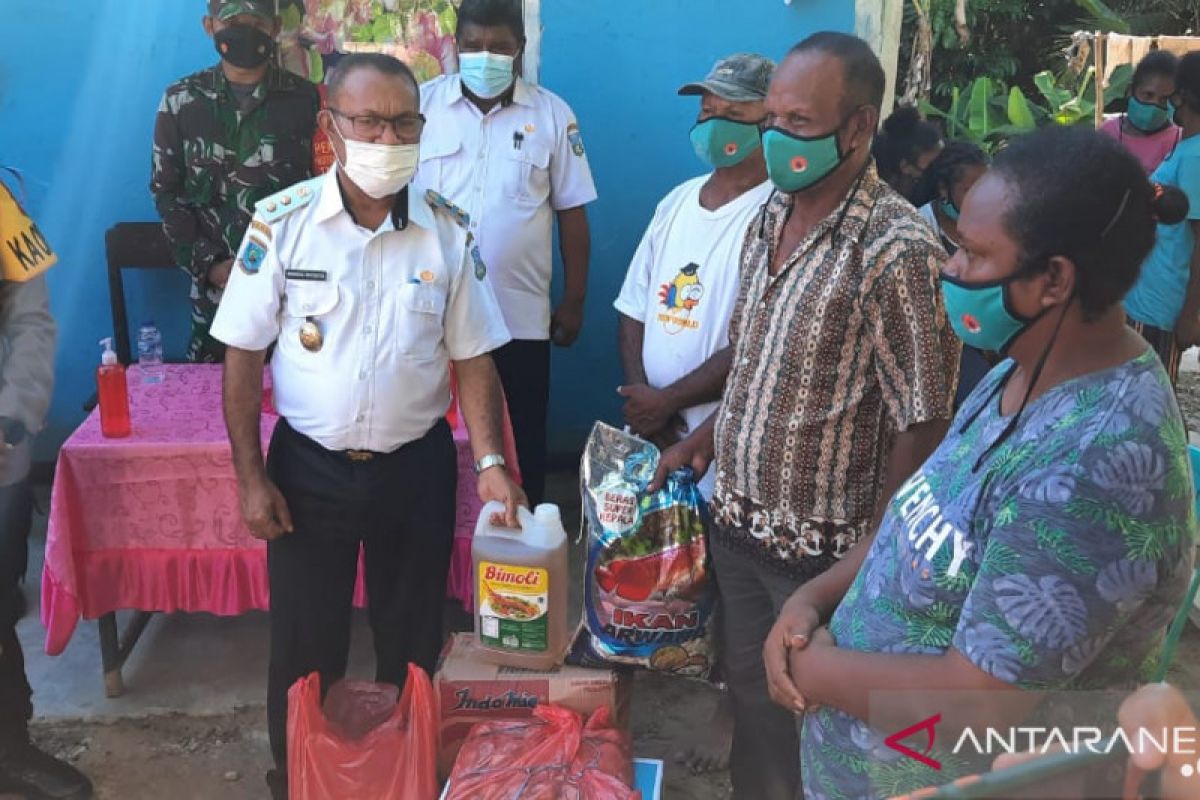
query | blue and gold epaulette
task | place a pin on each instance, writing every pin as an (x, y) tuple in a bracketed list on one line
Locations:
[(440, 202), (282, 203)]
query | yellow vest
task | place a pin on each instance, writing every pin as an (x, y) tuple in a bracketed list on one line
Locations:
[(24, 252)]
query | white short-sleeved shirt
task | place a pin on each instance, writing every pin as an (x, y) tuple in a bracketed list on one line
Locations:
[(510, 169), (682, 285), (394, 308)]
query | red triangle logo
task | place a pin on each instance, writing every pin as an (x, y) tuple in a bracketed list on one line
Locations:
[(927, 725)]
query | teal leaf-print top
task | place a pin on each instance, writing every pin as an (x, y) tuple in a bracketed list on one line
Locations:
[(1058, 563)]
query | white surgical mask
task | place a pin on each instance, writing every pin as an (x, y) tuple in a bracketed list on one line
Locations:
[(486, 74), (379, 170)]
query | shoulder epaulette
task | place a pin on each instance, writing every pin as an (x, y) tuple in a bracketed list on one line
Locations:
[(282, 203), (439, 202)]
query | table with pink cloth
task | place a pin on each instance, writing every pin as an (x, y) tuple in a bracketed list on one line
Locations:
[(152, 522)]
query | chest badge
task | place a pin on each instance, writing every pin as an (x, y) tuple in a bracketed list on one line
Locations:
[(311, 338)]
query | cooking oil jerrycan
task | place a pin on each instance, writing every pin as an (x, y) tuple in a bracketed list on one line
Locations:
[(521, 586)]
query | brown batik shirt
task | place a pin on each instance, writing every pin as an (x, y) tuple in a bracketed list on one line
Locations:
[(848, 345)]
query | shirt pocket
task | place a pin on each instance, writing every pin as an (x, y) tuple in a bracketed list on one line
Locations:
[(305, 299), (527, 174), (204, 174), (419, 327), (437, 152)]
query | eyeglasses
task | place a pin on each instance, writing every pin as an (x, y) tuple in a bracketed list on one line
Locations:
[(369, 126)]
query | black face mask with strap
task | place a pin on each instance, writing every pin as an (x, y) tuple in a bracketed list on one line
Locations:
[(244, 46)]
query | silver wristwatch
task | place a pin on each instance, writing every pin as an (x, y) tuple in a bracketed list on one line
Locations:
[(489, 461)]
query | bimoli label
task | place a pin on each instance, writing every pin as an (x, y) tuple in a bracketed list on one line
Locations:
[(512, 611)]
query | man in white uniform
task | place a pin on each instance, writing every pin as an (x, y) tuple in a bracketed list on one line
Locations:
[(680, 291), (370, 288), (511, 154)]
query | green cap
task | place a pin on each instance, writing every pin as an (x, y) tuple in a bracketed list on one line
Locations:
[(739, 78), (227, 9)]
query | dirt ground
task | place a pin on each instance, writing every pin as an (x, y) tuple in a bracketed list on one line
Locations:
[(224, 757)]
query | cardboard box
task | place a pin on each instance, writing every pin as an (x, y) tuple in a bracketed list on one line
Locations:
[(647, 778), (473, 691)]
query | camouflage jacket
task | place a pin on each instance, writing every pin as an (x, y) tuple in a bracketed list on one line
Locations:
[(213, 161)]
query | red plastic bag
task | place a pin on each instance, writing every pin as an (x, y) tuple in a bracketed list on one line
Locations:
[(351, 753), (550, 757)]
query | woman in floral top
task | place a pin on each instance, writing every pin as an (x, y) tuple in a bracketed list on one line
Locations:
[(1048, 541)]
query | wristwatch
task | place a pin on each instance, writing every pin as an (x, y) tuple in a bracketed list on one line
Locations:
[(489, 461)]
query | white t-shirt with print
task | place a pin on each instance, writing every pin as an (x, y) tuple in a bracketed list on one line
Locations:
[(682, 285)]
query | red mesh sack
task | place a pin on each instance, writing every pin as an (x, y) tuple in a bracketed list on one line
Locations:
[(553, 756), (362, 749)]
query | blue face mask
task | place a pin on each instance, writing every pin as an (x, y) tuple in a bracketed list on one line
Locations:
[(486, 75), (1147, 118)]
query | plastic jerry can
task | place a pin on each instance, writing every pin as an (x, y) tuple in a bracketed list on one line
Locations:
[(521, 585)]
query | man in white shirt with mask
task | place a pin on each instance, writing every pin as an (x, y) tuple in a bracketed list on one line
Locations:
[(680, 292), (512, 156), (370, 288)]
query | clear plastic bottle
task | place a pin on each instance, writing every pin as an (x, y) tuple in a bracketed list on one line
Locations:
[(150, 352), (521, 584), (113, 394)]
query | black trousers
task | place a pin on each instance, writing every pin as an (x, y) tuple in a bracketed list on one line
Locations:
[(765, 760), (401, 507), (16, 514), (524, 367)]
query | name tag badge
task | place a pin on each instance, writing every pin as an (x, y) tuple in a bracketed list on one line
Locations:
[(306, 275)]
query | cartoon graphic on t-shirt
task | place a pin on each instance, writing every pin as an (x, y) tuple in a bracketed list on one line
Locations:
[(679, 298)]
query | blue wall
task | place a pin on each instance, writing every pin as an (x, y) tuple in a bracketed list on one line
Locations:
[(80, 81)]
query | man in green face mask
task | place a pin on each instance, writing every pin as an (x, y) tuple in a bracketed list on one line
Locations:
[(681, 287), (842, 379)]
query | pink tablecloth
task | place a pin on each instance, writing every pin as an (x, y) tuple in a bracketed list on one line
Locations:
[(152, 522)]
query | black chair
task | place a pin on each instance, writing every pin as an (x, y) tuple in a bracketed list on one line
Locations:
[(127, 245), (131, 245)]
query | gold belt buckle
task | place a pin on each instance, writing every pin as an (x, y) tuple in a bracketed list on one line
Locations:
[(359, 455)]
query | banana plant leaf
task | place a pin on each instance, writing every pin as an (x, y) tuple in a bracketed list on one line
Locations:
[(1020, 115)]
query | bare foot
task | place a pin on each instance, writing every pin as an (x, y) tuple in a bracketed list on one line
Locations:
[(707, 749)]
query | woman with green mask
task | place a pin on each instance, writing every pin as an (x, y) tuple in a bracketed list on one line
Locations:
[(1047, 542), (1147, 127)]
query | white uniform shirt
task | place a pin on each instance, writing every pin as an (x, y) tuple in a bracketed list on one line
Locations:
[(683, 283), (510, 170), (394, 308)]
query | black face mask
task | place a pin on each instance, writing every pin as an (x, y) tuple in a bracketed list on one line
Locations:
[(244, 46)]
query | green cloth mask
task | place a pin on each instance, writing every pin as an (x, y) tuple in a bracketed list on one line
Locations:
[(796, 163), (980, 314), (723, 142), (1147, 118), (949, 208)]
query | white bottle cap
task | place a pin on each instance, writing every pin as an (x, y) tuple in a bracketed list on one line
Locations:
[(108, 357), (548, 514)]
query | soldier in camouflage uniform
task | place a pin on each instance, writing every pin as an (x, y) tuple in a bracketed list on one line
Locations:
[(225, 138)]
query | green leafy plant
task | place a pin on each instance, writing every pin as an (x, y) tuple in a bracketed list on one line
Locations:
[(987, 113)]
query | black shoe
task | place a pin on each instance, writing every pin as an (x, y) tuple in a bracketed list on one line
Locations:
[(28, 771), (277, 782)]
